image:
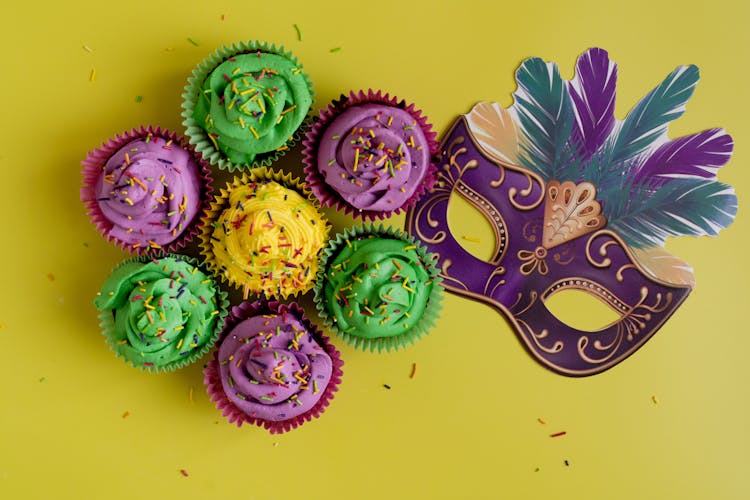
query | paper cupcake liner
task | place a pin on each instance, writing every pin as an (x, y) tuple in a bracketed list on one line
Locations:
[(219, 204), (212, 379), (328, 196), (430, 314), (198, 136), (92, 168), (107, 320)]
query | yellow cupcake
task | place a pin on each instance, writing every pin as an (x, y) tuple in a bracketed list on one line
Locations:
[(264, 234)]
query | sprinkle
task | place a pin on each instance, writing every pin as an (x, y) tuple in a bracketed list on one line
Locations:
[(410, 247), (567, 464), (656, 401), (471, 238), (335, 49), (541, 421), (254, 132), (537, 469), (299, 32), (183, 471), (139, 98), (51, 277), (92, 76), (126, 414), (315, 386), (557, 434), (87, 48), (42, 379), (193, 42), (386, 386), (390, 120), (413, 370), (287, 110), (190, 395)]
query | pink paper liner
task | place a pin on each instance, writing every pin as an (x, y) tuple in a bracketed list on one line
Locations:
[(212, 378), (326, 194), (92, 168)]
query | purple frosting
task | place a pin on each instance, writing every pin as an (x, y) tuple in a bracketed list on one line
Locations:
[(272, 369), (150, 191), (374, 156)]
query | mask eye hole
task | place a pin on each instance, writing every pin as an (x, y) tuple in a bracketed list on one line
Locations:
[(581, 309), (476, 225), (471, 228)]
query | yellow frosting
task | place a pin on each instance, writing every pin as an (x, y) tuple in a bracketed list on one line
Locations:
[(267, 239)]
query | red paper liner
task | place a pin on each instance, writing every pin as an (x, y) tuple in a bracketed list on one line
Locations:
[(212, 378), (92, 168), (328, 196)]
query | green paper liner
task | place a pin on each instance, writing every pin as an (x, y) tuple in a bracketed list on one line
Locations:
[(219, 204), (197, 135), (432, 309), (107, 319)]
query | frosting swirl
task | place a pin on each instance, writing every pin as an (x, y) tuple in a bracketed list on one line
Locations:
[(376, 287), (164, 310), (375, 156), (268, 238), (252, 104), (150, 192), (271, 367)]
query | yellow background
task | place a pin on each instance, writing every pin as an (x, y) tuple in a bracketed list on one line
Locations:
[(466, 426)]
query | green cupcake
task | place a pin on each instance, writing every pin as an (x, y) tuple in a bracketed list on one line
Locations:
[(246, 103), (161, 313), (378, 288)]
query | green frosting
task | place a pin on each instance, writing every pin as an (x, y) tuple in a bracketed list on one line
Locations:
[(377, 287), (252, 104), (164, 310)]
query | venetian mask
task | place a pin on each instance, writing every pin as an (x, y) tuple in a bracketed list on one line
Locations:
[(578, 200)]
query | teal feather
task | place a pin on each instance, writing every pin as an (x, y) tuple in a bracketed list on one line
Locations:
[(648, 120), (647, 215), (545, 112)]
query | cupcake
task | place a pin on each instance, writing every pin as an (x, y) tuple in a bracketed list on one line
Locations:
[(161, 314), (144, 190), (264, 234), (245, 103), (370, 155), (272, 368), (378, 288)]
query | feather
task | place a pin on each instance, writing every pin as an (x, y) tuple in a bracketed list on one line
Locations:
[(662, 265), (545, 112), (681, 207), (593, 93), (494, 128), (647, 121), (697, 155)]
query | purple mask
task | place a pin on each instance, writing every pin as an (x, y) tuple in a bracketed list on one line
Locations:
[(578, 200)]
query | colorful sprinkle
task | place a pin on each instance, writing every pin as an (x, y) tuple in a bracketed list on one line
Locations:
[(193, 42), (92, 75), (184, 472), (335, 49), (413, 370), (299, 32), (557, 434)]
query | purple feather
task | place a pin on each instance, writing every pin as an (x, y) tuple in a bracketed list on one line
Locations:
[(697, 155), (593, 93)]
